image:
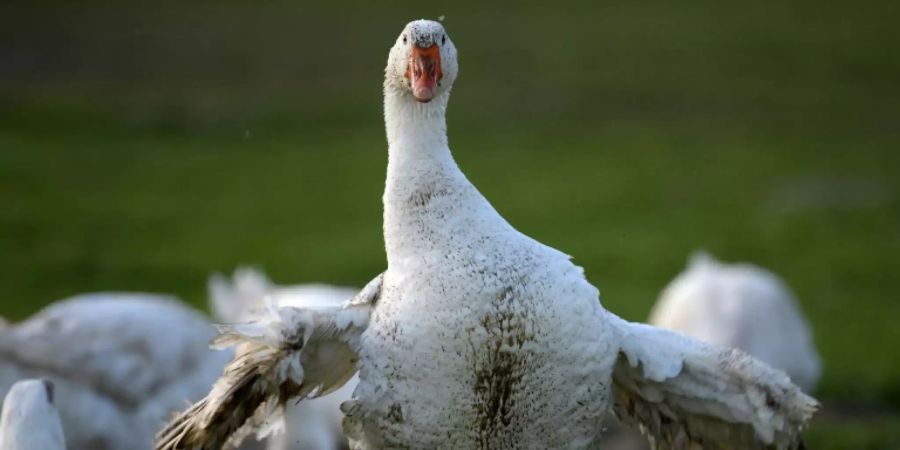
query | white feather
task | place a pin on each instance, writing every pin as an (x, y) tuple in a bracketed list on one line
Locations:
[(284, 354), (314, 424), (682, 391)]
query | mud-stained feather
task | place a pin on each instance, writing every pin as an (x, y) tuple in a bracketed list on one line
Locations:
[(279, 357), (684, 394)]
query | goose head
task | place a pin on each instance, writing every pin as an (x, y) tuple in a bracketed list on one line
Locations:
[(29, 398), (422, 63)]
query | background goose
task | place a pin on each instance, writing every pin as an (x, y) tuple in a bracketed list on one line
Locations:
[(477, 336), (29, 420), (310, 425), (121, 363), (741, 306)]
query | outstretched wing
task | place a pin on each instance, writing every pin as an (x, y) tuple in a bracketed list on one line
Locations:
[(290, 353), (684, 394)]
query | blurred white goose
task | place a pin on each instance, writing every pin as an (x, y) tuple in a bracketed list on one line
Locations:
[(310, 425), (478, 336), (30, 420), (121, 363), (741, 306)]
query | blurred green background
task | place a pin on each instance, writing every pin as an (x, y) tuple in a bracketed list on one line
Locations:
[(143, 147)]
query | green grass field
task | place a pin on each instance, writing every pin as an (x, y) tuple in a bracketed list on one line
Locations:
[(155, 147)]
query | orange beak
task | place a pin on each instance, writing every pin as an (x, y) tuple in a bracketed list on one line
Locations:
[(424, 72)]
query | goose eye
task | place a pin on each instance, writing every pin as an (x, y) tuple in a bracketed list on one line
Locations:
[(443, 39), (404, 38)]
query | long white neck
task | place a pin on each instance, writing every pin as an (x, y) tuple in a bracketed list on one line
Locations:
[(427, 199)]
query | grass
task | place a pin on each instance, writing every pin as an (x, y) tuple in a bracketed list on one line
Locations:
[(626, 135)]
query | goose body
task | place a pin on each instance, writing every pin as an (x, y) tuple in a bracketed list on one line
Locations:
[(121, 363), (741, 306), (29, 420), (477, 336), (495, 327)]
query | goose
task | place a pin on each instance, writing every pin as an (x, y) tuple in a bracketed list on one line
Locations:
[(29, 420), (121, 363), (476, 335), (742, 306), (310, 425)]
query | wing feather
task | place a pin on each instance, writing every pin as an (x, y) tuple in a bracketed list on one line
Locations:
[(684, 394), (289, 353)]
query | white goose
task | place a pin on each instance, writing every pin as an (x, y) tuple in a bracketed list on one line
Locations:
[(121, 363), (741, 306), (30, 420), (478, 336), (310, 425)]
